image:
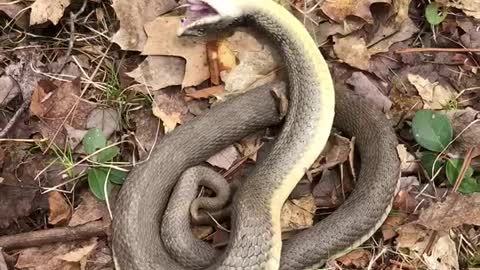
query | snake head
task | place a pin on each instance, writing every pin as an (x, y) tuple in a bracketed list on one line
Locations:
[(209, 16)]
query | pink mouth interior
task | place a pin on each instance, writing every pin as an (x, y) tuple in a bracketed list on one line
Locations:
[(196, 9)]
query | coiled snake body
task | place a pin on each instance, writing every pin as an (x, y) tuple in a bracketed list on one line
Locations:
[(255, 240)]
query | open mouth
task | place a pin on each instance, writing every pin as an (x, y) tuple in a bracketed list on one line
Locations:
[(196, 10)]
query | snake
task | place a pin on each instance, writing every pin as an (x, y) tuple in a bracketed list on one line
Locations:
[(314, 107)]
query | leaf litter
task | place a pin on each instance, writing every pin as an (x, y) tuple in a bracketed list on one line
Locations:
[(164, 82)]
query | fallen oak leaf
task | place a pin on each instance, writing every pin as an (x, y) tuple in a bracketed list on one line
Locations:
[(171, 108), (60, 210), (158, 72), (456, 210), (338, 10), (358, 258), (163, 40), (133, 15)]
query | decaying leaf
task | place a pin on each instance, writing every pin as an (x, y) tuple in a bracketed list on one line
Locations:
[(133, 15), (16, 11), (467, 123), (352, 50), (225, 158), (159, 71), (257, 58), (298, 214), (407, 160), (106, 119), (60, 210), (146, 129), (470, 7), (8, 89), (90, 209), (390, 225), (19, 192), (163, 40), (220, 58), (47, 10), (443, 254), (434, 95), (338, 10), (358, 258), (52, 103), (51, 256), (456, 210), (171, 109), (366, 87)]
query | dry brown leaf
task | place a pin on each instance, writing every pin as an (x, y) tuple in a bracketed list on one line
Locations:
[(106, 119), (455, 211), (52, 104), (389, 227), (90, 209), (220, 59), (398, 28), (358, 258), (48, 257), (171, 108), (461, 119), (158, 72), (470, 7), (366, 87), (329, 192), (79, 254), (163, 40), (443, 255), (434, 95), (225, 158), (60, 210), (146, 129), (352, 50), (16, 11), (250, 145), (408, 164), (257, 61), (406, 201), (338, 10), (133, 15), (19, 192), (336, 151), (47, 10), (298, 214), (413, 237), (8, 89)]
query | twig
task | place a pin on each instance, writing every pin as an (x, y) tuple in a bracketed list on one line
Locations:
[(466, 163), (25, 105), (71, 42), (415, 50), (49, 236)]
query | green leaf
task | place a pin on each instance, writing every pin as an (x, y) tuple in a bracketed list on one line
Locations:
[(428, 159), (115, 176), (96, 182), (94, 140), (432, 130), (469, 184), (108, 154), (433, 13)]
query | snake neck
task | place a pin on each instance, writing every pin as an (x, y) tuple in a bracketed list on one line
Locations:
[(305, 65)]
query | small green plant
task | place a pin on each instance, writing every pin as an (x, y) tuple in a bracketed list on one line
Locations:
[(433, 131), (100, 178), (435, 14)]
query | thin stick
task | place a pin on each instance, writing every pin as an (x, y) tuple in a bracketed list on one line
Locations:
[(25, 105), (416, 50), (49, 236)]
